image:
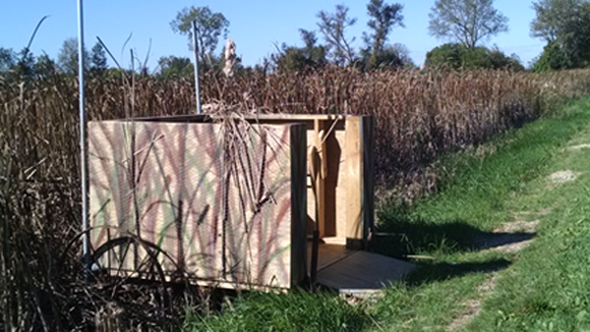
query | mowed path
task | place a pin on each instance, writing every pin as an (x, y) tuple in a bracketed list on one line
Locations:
[(568, 165), (514, 254)]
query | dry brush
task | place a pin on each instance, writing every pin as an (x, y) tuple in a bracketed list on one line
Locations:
[(419, 116)]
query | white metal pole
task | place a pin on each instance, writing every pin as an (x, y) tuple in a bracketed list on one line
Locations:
[(196, 54), (83, 175)]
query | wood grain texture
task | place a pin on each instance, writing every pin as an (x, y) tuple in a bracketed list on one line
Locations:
[(345, 169), (333, 195), (165, 183), (353, 173), (319, 170), (359, 272)]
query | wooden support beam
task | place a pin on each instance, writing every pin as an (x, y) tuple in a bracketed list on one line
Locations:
[(359, 173), (320, 165), (368, 176), (298, 140), (353, 176)]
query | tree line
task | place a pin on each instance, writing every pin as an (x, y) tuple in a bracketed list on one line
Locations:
[(465, 24)]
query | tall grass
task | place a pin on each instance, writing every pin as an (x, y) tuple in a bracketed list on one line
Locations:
[(418, 117), (419, 114)]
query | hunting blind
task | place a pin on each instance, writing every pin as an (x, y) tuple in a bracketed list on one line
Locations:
[(230, 201)]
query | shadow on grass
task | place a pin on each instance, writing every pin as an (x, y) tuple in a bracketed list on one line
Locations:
[(442, 271), (402, 238)]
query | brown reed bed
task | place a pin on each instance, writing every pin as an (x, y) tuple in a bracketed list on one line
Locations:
[(419, 116)]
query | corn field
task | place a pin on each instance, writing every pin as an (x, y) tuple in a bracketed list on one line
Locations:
[(418, 117)]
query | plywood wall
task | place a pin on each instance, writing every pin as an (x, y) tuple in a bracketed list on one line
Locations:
[(169, 184), (345, 187)]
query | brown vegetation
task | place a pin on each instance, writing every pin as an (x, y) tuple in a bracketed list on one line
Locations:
[(418, 115)]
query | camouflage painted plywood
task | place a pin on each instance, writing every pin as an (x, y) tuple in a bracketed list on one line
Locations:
[(215, 197)]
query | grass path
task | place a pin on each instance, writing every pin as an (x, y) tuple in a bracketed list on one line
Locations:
[(504, 246), (522, 200), (547, 288)]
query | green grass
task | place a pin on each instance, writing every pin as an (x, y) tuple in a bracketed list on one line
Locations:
[(298, 311), (548, 289), (542, 288)]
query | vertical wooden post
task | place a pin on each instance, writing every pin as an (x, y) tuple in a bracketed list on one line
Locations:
[(320, 132), (359, 173), (353, 175), (368, 177), (298, 140)]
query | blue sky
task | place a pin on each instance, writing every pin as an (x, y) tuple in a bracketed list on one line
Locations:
[(255, 26)]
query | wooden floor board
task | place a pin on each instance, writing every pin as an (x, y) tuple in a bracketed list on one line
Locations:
[(358, 272)]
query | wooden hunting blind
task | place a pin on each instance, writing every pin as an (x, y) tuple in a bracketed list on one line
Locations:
[(231, 202)]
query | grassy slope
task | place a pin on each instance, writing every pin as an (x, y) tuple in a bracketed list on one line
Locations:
[(547, 289), (538, 289), (504, 186)]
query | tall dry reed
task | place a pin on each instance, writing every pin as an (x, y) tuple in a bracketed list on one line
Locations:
[(418, 116)]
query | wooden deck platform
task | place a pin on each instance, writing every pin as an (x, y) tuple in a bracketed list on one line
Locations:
[(358, 273)]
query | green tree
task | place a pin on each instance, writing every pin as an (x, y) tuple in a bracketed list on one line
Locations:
[(45, 66), (580, 42), (499, 60), (389, 57), (7, 59), (25, 65), (310, 41), (554, 18), (467, 21), (98, 60), (67, 58), (172, 68), (565, 25), (447, 56), (333, 27), (311, 56), (210, 26), (456, 56), (552, 58), (19, 66), (403, 53), (383, 18)]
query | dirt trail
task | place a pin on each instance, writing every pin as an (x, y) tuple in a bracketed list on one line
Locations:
[(561, 177), (516, 227), (507, 232), (511, 238), (473, 306)]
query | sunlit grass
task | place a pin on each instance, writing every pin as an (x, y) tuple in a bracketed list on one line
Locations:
[(544, 287)]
